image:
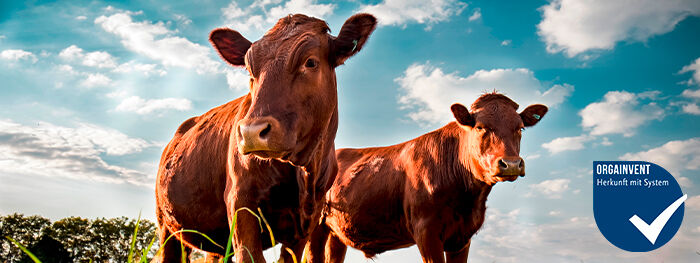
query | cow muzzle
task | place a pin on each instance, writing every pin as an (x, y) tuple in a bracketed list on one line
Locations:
[(511, 166), (262, 137)]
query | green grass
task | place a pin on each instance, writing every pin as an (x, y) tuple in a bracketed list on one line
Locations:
[(229, 245), (25, 250)]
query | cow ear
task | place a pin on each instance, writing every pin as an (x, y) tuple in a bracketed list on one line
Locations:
[(231, 45), (533, 114), (462, 115), (352, 37)]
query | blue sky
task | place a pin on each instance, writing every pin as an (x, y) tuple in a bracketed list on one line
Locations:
[(91, 91)]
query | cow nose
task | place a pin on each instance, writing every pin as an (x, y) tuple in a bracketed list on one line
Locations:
[(259, 130), (254, 135), (510, 166)]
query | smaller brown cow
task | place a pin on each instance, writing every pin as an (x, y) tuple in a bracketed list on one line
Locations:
[(430, 191)]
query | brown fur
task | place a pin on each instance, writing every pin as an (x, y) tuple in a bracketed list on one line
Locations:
[(204, 178), (430, 191)]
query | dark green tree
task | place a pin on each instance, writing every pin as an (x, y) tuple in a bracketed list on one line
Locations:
[(26, 230), (112, 237), (48, 249), (74, 239), (74, 233)]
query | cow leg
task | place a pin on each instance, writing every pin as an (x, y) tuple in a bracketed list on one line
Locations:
[(335, 249), (247, 244), (172, 250), (430, 246), (317, 243), (297, 248), (459, 256)]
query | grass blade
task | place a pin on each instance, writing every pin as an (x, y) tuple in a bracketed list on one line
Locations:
[(183, 255), (229, 244), (130, 258), (291, 252), (25, 250), (186, 231), (234, 222), (144, 256), (269, 229), (303, 255), (252, 260)]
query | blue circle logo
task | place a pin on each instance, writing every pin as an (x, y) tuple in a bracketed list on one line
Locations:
[(638, 206)]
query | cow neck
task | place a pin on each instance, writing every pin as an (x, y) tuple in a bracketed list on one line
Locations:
[(467, 168), (323, 147)]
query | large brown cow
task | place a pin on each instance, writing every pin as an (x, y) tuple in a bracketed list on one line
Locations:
[(270, 149), (430, 191)]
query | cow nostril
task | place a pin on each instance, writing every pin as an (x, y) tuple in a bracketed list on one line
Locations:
[(521, 164), (265, 131), (502, 164)]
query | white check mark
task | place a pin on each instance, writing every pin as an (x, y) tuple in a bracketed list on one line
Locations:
[(652, 231)]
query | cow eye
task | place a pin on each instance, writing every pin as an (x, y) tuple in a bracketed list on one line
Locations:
[(311, 63)]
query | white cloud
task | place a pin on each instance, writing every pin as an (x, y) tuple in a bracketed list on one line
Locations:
[(509, 237), (98, 59), (674, 156), (68, 69), (695, 68), (606, 142), (620, 113), (240, 20), (146, 69), (49, 150), (506, 42), (554, 213), (96, 80), (691, 93), (514, 237), (532, 156), (693, 202), (567, 143), (142, 106), (429, 92), (307, 7), (117, 94), (237, 79), (155, 41), (401, 13), (259, 16), (72, 52), (17, 55), (476, 15), (694, 80), (691, 108), (684, 181), (81, 17), (574, 27), (101, 59), (182, 19), (551, 188)]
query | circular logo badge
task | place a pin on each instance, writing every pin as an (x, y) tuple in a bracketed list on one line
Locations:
[(638, 206)]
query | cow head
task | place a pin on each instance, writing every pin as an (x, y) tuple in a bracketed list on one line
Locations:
[(293, 96), (492, 138)]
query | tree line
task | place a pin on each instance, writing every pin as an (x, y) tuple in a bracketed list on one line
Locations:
[(73, 239)]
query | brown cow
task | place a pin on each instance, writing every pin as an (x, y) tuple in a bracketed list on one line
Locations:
[(430, 191), (270, 149)]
